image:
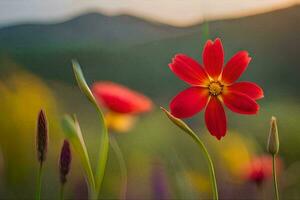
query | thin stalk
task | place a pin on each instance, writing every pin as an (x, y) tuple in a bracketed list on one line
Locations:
[(205, 31), (275, 177), (39, 183), (62, 191), (210, 165), (183, 126), (204, 27), (103, 153), (73, 133), (104, 138), (116, 148)]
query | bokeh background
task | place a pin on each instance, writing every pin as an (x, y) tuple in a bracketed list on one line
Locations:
[(131, 42)]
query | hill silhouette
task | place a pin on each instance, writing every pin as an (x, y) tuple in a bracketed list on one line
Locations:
[(135, 52)]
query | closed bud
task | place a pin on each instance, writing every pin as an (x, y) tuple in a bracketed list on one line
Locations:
[(65, 161), (273, 141), (42, 137)]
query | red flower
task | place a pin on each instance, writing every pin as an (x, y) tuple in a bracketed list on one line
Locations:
[(120, 99), (214, 85), (260, 169)]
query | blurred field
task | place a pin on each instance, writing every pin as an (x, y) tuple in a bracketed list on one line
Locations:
[(36, 72)]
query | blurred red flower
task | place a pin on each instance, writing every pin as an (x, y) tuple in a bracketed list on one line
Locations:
[(212, 86), (120, 99), (260, 169)]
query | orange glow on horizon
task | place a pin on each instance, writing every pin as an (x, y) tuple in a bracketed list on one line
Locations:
[(172, 12)]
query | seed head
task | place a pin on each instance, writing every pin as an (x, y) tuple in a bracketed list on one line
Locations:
[(65, 161), (42, 137)]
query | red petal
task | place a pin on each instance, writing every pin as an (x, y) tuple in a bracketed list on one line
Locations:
[(240, 103), (188, 70), (250, 89), (215, 118), (120, 99), (213, 58), (235, 67), (189, 102)]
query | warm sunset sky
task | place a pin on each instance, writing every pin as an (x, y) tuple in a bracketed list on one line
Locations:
[(175, 12)]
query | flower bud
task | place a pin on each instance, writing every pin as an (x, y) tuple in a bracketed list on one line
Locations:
[(273, 141), (65, 161), (42, 137)]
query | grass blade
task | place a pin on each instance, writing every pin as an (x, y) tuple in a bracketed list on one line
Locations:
[(73, 133), (104, 139)]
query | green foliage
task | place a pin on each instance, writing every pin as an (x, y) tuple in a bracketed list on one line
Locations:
[(104, 138), (73, 133), (83, 86)]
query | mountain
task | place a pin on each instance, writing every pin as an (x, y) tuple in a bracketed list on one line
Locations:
[(135, 52), (89, 29)]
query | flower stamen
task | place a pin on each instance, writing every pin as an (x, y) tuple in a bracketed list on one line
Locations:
[(215, 88)]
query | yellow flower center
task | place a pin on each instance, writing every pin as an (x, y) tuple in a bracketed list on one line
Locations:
[(215, 88)]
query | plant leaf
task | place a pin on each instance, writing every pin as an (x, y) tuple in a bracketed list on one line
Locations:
[(83, 86), (104, 139), (178, 122), (73, 133)]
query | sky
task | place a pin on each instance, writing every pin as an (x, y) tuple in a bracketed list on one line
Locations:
[(173, 12)]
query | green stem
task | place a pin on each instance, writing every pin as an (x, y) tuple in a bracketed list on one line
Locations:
[(104, 139), (116, 148), (103, 153), (39, 183), (275, 177), (205, 31), (183, 126), (210, 165), (62, 190)]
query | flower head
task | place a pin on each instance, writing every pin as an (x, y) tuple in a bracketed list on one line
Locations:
[(42, 137), (65, 161), (122, 103), (213, 86), (120, 99), (259, 169)]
